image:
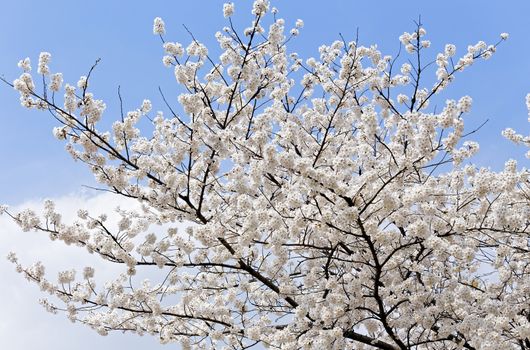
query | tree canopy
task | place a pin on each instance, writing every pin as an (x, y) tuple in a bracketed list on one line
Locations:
[(328, 203)]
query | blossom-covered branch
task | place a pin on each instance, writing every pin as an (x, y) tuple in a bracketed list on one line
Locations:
[(328, 206)]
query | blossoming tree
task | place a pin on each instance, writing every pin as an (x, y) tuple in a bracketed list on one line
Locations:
[(330, 206)]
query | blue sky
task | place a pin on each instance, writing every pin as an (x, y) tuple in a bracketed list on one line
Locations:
[(76, 33)]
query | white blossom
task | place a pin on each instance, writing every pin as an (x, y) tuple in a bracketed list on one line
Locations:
[(450, 50), (159, 26), (56, 82), (25, 64), (44, 59), (82, 83), (228, 9), (146, 106), (299, 23)]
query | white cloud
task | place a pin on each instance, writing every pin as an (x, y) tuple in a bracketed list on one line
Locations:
[(24, 324)]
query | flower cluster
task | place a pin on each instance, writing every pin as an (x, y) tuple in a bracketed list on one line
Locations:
[(159, 26), (228, 9)]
